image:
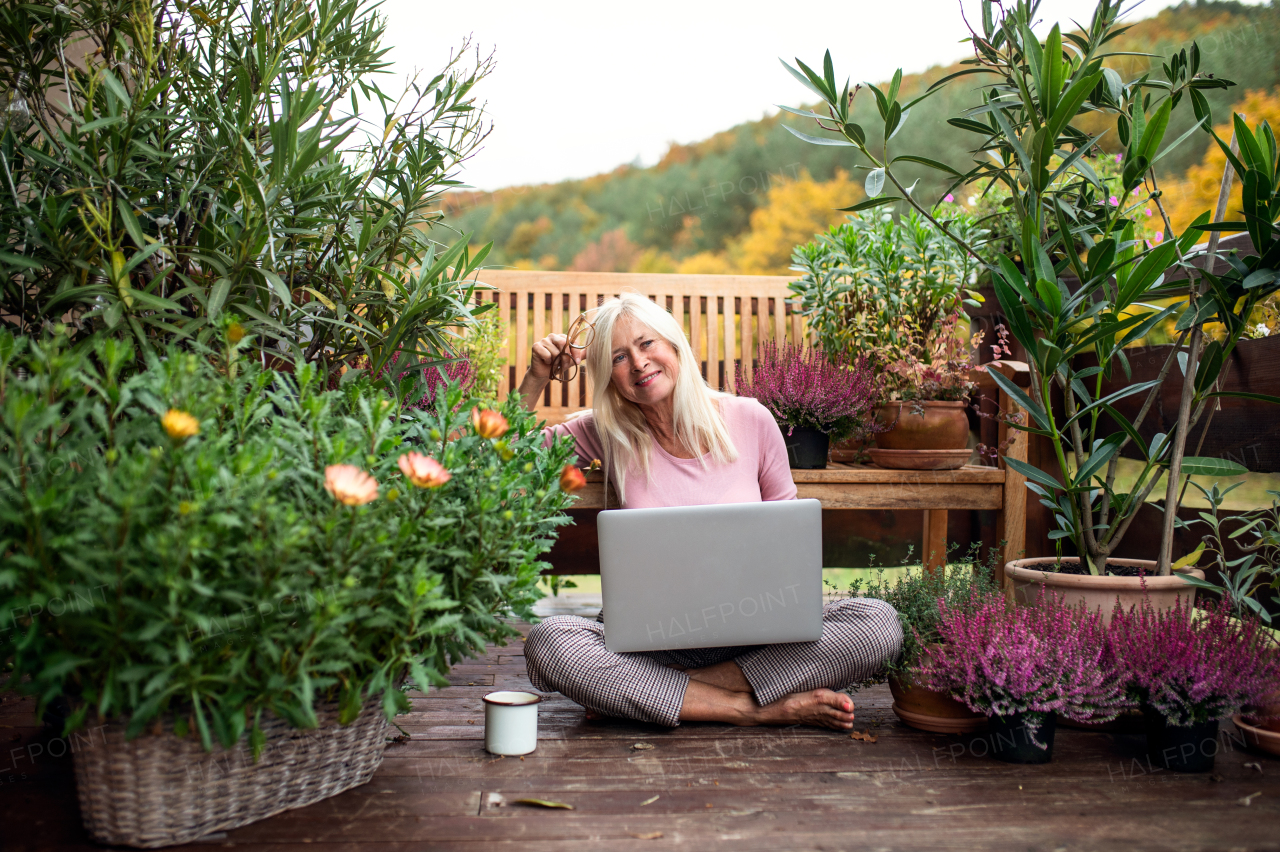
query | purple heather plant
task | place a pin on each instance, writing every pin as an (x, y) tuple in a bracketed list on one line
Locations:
[(1000, 659), (805, 388), (1194, 669)]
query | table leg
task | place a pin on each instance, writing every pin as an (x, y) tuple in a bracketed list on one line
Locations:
[(934, 553)]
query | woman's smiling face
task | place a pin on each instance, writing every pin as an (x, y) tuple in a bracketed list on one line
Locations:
[(645, 365)]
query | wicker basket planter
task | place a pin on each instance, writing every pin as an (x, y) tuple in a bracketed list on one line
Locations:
[(164, 790)]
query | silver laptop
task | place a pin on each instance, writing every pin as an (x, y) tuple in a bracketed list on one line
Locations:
[(711, 576)]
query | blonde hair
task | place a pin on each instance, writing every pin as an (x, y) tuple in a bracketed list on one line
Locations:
[(624, 435)]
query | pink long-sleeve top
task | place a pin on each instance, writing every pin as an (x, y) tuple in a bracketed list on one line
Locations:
[(760, 473)]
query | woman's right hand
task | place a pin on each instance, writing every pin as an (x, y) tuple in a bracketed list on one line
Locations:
[(545, 352)]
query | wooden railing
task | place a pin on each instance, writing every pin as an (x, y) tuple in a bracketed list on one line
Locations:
[(724, 316)]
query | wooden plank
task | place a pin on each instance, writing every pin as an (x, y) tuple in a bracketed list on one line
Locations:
[(502, 302), (797, 328), (695, 333), (748, 336), (730, 342), (713, 342), (522, 344), (779, 320), (677, 311)]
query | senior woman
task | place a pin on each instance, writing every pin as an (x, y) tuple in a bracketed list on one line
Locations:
[(666, 439)]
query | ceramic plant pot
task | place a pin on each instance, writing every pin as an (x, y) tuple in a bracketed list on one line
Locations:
[(926, 710), (931, 425), (1030, 578)]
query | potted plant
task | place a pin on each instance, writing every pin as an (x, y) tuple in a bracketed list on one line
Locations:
[(1189, 672), (814, 398), (1023, 667), (916, 597), (1027, 139), (238, 572), (894, 292)]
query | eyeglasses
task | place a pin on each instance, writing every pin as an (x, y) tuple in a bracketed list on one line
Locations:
[(581, 332)]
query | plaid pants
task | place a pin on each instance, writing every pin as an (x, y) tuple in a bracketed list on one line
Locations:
[(566, 654)]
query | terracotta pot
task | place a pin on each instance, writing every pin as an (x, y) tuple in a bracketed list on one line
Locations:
[(943, 425), (927, 710), (1266, 715), (1030, 577)]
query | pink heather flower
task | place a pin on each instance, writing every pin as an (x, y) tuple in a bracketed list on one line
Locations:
[(1159, 237), (1119, 157), (1148, 243), (1148, 211), (1113, 201), (1194, 670), (802, 387), (949, 198), (1001, 659)]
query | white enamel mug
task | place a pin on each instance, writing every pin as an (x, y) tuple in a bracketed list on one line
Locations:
[(511, 722)]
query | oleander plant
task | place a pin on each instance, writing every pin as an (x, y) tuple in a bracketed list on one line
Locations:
[(205, 541)]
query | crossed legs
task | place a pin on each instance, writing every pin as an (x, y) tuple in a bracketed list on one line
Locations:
[(782, 684)]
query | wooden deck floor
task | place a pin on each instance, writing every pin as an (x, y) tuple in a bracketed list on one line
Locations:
[(711, 786)]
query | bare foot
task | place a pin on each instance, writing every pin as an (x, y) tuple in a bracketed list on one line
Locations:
[(822, 707)]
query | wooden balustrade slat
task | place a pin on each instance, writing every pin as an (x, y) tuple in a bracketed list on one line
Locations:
[(729, 342)]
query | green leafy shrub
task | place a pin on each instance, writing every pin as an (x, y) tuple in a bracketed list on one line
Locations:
[(894, 292), (173, 162), (484, 344), (916, 597), (172, 555)]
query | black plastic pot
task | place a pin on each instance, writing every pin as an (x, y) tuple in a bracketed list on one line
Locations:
[(1181, 748), (1010, 739), (807, 448)]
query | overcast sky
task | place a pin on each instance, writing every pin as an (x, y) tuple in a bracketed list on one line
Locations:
[(583, 87)]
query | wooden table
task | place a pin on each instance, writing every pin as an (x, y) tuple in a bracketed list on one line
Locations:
[(852, 486)]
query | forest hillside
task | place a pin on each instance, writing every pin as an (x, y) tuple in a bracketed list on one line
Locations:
[(740, 200)]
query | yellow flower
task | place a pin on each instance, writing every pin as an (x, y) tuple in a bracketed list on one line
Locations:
[(179, 424), (489, 423), (235, 333), (423, 471), (350, 485)]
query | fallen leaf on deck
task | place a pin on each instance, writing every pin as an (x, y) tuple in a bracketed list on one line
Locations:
[(865, 736), (648, 801), (1247, 800), (651, 835), (1257, 766), (543, 803), (641, 746)]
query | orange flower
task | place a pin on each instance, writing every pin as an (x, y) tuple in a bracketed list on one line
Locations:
[(350, 485), (179, 424), (571, 479), (489, 423), (423, 471)]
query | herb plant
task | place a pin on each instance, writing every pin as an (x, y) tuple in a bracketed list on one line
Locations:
[(917, 596)]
